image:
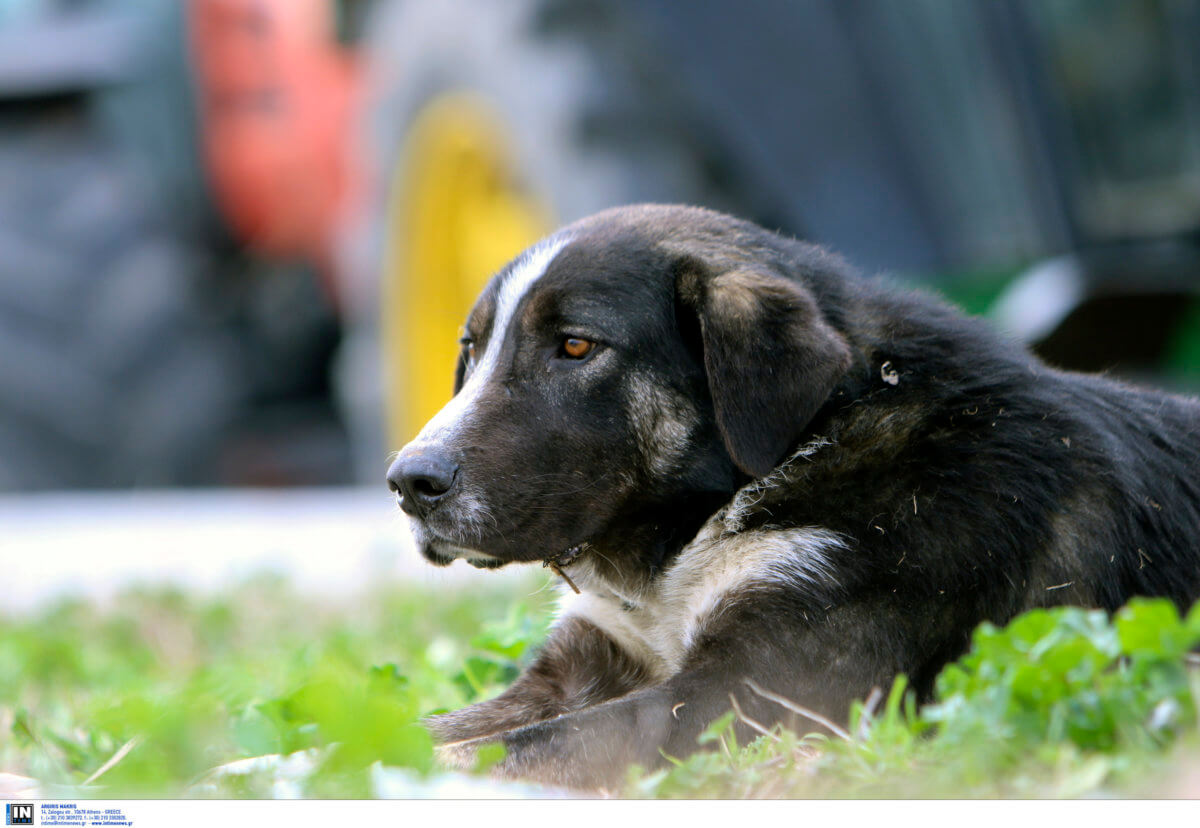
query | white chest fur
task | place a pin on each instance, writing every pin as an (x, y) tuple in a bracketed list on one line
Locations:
[(660, 625)]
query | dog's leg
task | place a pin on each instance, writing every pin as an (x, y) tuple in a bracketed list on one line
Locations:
[(590, 748), (822, 667), (579, 666)]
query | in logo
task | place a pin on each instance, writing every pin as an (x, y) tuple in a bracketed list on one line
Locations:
[(18, 813)]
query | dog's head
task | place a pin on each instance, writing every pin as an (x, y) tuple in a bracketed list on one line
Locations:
[(620, 379)]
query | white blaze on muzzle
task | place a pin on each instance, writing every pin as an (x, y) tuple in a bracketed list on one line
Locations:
[(525, 273)]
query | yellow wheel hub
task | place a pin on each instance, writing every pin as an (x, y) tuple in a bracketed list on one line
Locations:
[(456, 216)]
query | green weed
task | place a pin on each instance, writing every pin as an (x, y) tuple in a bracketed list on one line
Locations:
[(167, 694)]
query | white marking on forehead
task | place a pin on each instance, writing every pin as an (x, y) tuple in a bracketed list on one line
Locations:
[(524, 273)]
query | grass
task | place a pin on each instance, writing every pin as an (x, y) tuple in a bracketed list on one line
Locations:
[(147, 697)]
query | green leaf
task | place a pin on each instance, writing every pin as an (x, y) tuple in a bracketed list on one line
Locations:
[(1151, 628), (717, 729), (488, 755), (256, 734)]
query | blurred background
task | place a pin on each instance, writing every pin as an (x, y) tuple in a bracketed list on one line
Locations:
[(237, 237)]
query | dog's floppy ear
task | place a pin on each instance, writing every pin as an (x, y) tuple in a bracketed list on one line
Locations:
[(772, 359)]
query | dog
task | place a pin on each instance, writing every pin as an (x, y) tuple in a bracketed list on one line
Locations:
[(762, 475)]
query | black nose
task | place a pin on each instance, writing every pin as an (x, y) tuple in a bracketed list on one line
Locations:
[(423, 476)]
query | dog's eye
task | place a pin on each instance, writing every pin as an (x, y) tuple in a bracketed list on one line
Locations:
[(575, 348), (468, 350)]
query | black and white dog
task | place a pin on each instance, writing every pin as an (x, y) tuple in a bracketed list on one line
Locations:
[(755, 465)]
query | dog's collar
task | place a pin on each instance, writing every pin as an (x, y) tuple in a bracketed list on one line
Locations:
[(729, 519), (750, 499)]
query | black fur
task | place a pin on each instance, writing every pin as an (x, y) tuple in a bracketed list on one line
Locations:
[(967, 480)]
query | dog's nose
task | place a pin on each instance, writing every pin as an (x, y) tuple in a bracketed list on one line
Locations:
[(423, 477)]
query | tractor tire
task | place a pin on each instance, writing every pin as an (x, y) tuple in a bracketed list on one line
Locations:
[(111, 374)]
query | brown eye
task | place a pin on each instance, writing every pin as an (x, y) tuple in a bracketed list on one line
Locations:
[(468, 350), (575, 348)]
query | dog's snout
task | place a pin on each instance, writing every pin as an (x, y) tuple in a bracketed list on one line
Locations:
[(422, 476)]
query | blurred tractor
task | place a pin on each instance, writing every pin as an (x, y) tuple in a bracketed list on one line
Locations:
[(1036, 160), (162, 224), (237, 237)]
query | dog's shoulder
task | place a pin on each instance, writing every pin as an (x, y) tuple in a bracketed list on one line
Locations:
[(725, 563)]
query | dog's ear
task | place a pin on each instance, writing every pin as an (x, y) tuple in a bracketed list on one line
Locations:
[(771, 358)]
